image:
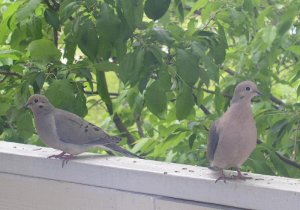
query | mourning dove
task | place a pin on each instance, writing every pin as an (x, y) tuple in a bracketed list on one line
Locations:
[(68, 132), (232, 138)]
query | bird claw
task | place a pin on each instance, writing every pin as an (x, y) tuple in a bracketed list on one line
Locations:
[(66, 159), (63, 156), (241, 176), (59, 156), (222, 177)]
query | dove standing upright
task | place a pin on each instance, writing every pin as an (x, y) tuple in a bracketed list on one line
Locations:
[(68, 132), (233, 137)]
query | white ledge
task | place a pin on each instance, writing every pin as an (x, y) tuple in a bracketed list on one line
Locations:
[(30, 181)]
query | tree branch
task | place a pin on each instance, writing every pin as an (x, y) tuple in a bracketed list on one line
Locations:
[(103, 93), (139, 126), (288, 161), (213, 92), (9, 73), (283, 158), (201, 106), (3, 79), (96, 93)]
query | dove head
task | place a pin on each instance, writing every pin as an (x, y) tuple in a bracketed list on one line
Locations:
[(39, 104), (245, 90)]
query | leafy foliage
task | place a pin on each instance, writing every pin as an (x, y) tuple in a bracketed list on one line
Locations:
[(175, 65)]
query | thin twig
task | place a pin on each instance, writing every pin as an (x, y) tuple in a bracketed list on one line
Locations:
[(288, 161), (213, 92), (9, 73), (138, 123), (201, 106), (3, 79), (96, 93)]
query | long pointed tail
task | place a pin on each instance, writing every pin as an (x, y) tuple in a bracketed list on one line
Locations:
[(116, 148)]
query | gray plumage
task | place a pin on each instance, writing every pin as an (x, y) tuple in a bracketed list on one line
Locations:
[(232, 138), (68, 132)]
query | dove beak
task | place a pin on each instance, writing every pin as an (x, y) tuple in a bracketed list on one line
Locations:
[(26, 106), (258, 93)]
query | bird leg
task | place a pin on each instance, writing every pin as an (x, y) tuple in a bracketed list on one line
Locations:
[(65, 157), (241, 176), (59, 156), (222, 177)]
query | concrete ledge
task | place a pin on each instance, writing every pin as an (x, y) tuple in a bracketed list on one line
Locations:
[(30, 181)]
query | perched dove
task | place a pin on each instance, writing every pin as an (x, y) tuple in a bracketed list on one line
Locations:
[(68, 132), (233, 137)]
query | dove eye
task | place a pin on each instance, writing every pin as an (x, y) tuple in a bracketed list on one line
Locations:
[(247, 88), (35, 100)]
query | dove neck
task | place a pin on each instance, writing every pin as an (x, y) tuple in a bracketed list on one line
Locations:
[(45, 111)]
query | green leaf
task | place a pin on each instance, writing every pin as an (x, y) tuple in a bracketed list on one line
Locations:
[(218, 100), (106, 66), (103, 89), (24, 124), (278, 164), (155, 9), (192, 139), (13, 54), (67, 96), (90, 4), (135, 101), (164, 78), (187, 67), (212, 68), (52, 19), (269, 35), (7, 20), (156, 99), (219, 51), (4, 105), (161, 35), (196, 6), (67, 8), (286, 20), (88, 39), (180, 9), (295, 49), (108, 24), (38, 52), (133, 12), (184, 103), (27, 9), (131, 67), (70, 48)]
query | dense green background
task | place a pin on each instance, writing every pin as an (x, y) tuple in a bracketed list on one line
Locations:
[(156, 72)]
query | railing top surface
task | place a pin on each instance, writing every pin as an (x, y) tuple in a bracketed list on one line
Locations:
[(152, 177)]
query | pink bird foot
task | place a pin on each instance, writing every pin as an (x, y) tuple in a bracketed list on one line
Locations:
[(222, 177), (64, 157), (59, 156), (241, 176)]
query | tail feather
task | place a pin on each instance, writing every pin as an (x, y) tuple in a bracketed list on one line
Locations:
[(116, 148)]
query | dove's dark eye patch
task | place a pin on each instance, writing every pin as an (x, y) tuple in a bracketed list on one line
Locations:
[(247, 88), (36, 100)]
